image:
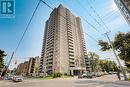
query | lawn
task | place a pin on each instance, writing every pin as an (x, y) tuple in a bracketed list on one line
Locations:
[(128, 79)]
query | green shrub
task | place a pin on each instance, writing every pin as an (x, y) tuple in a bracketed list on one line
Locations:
[(56, 75)]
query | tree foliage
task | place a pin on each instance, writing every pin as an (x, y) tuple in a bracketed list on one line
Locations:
[(101, 64), (121, 44), (94, 61), (104, 45), (93, 55), (2, 55), (108, 66)]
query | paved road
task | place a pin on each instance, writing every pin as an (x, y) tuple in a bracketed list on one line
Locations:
[(105, 81)]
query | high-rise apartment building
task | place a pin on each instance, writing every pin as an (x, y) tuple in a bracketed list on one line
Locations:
[(30, 67), (33, 66), (20, 68), (63, 47), (25, 68), (124, 7)]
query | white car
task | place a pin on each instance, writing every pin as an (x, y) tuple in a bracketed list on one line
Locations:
[(18, 79)]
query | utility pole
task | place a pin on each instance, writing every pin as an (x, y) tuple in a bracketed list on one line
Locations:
[(117, 58)]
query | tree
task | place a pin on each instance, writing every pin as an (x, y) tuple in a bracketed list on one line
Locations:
[(94, 61), (121, 44), (112, 66), (108, 66), (2, 55), (36, 68), (104, 45)]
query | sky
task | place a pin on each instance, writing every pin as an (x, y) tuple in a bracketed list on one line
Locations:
[(11, 29)]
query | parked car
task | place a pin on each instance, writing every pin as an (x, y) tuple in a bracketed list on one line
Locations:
[(90, 75), (9, 77), (102, 73), (18, 79), (98, 74), (105, 73), (1, 78), (93, 74), (86, 75), (82, 76)]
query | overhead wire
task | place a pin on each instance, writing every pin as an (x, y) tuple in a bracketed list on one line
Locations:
[(109, 14), (91, 25), (27, 27), (89, 13), (19, 43), (73, 23), (93, 9), (91, 37)]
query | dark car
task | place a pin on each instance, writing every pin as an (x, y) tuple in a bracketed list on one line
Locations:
[(9, 77)]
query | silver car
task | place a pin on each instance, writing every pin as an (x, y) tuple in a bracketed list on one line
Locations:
[(18, 79)]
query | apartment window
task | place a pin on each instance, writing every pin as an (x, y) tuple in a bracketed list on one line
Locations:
[(71, 62), (51, 52), (70, 33), (50, 62), (71, 42), (71, 52), (50, 59), (70, 39), (71, 55), (49, 67), (70, 45), (71, 49), (71, 58), (72, 66)]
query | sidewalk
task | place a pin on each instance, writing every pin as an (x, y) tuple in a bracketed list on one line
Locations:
[(112, 79), (122, 82)]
